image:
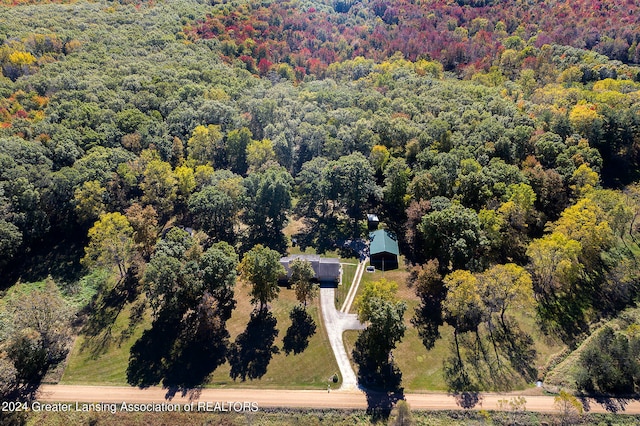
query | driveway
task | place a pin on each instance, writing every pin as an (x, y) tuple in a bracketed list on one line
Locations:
[(336, 323)]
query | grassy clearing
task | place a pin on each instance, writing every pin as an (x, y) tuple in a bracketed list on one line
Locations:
[(100, 353), (422, 369), (102, 358), (309, 370), (348, 272)]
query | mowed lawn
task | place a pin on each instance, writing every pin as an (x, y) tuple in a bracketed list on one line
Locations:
[(103, 358), (311, 369), (348, 272), (422, 369)]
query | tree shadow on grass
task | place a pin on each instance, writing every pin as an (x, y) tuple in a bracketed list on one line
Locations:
[(301, 330), (179, 354), (250, 354), (194, 356), (499, 360), (98, 328), (464, 390), (565, 317), (105, 311), (148, 354), (519, 348)]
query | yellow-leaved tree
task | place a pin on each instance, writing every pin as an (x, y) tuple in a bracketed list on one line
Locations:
[(110, 243)]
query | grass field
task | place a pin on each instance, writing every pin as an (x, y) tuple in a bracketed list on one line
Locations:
[(103, 358), (309, 370), (422, 369)]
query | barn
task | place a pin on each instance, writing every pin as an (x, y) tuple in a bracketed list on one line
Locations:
[(383, 250)]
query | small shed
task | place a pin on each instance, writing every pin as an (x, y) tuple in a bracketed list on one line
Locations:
[(327, 270), (383, 250), (372, 221)]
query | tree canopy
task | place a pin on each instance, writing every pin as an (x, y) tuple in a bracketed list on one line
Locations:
[(261, 269)]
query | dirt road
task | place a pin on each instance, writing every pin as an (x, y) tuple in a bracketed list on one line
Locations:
[(295, 398)]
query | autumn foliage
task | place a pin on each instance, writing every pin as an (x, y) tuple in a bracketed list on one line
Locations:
[(457, 34)]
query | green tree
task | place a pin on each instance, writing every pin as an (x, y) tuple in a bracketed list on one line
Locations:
[(422, 186), (472, 184), (312, 189), (267, 202), (261, 268), (214, 212), (10, 240), (610, 364), (110, 243), (179, 274), (427, 282), (397, 176), (191, 293), (454, 236), (372, 351), (237, 142), (351, 183), (302, 275), (219, 265)]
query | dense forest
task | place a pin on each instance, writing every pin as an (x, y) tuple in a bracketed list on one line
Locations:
[(167, 144)]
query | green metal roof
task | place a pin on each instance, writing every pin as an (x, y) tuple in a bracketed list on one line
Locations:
[(383, 241)]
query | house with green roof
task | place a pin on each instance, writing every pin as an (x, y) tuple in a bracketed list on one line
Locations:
[(383, 250)]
